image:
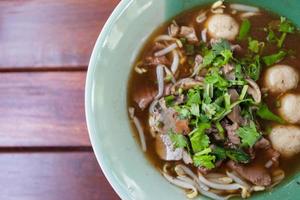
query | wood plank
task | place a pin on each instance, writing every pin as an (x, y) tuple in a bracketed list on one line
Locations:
[(42, 109), (50, 33), (48, 176)]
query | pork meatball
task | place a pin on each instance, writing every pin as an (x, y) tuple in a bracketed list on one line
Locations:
[(222, 26), (286, 140), (281, 78), (289, 109)]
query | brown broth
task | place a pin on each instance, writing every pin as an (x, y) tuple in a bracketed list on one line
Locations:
[(139, 82)]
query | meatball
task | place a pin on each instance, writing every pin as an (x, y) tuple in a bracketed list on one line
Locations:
[(222, 26), (281, 78), (289, 109), (286, 140)]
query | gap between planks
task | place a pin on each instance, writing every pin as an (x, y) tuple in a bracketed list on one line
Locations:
[(43, 69), (45, 149)]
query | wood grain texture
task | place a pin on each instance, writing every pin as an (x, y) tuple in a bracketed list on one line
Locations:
[(48, 176), (42, 109), (50, 33)]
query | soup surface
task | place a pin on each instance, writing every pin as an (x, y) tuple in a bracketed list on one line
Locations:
[(214, 100)]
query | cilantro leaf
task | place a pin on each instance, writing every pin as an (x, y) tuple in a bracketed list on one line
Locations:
[(178, 140), (274, 58), (216, 79), (169, 100), (286, 26), (184, 112), (237, 155), (220, 46), (219, 152), (204, 159), (264, 113), (195, 110), (199, 140), (255, 46), (248, 134), (253, 68), (244, 30), (208, 58), (193, 97), (209, 109)]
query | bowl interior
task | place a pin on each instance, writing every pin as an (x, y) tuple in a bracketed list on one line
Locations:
[(119, 155)]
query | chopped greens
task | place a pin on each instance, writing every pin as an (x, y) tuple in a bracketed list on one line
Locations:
[(204, 159), (238, 155), (169, 100), (199, 139), (248, 134), (286, 26), (255, 46), (207, 106), (274, 58), (178, 140), (244, 30), (264, 113)]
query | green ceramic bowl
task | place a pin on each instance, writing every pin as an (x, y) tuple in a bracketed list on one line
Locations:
[(120, 157)]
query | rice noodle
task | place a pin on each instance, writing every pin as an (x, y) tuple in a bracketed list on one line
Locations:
[(204, 35), (179, 183), (201, 17), (166, 50), (214, 175), (175, 62), (181, 170), (168, 38), (139, 128), (221, 180), (212, 195), (210, 184), (237, 179), (241, 7), (248, 14), (193, 193), (218, 7), (160, 80)]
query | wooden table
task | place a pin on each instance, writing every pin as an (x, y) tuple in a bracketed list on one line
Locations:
[(45, 47)]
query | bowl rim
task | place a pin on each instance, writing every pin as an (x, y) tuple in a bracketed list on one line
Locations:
[(119, 9)]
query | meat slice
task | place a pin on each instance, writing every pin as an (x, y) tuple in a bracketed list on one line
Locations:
[(232, 136), (182, 126), (144, 97), (254, 173), (165, 148), (189, 33), (235, 115)]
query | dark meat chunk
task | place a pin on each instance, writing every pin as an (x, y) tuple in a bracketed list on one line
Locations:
[(254, 173), (189, 33), (232, 136), (263, 143), (144, 97), (182, 126), (235, 115)]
